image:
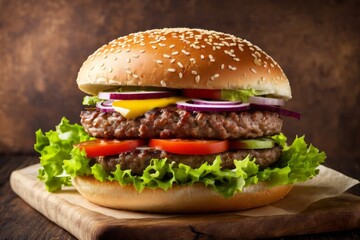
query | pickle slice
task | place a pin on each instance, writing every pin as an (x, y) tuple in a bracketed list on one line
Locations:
[(258, 143)]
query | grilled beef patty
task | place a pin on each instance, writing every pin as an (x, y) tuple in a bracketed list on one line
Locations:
[(139, 159), (171, 122)]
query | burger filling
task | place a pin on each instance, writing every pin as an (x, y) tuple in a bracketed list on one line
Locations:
[(226, 145)]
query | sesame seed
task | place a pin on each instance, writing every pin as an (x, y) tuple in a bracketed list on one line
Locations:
[(211, 57), (180, 65), (185, 52), (268, 71), (166, 56), (236, 59), (197, 79), (128, 72), (159, 61), (175, 53), (257, 61), (110, 69), (216, 75), (171, 70), (128, 60), (142, 51), (92, 68), (127, 50), (135, 56), (253, 70), (222, 67), (172, 60), (115, 58), (142, 44), (202, 56), (192, 60), (105, 56), (162, 44), (172, 46), (194, 72), (102, 64), (272, 65), (135, 76), (154, 47), (232, 68), (180, 75), (163, 83)]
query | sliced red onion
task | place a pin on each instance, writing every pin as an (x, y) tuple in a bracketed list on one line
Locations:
[(267, 101), (108, 103), (135, 95), (289, 113), (212, 108), (206, 102), (105, 106), (281, 111)]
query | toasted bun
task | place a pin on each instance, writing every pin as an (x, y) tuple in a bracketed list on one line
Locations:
[(182, 58), (185, 199)]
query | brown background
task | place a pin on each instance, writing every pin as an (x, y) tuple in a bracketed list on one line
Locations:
[(317, 43)]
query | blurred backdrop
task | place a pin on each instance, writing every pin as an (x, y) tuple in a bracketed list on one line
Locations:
[(44, 43)]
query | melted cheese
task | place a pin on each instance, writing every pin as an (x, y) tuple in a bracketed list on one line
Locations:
[(131, 109)]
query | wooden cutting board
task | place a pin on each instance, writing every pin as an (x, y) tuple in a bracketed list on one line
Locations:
[(88, 221)]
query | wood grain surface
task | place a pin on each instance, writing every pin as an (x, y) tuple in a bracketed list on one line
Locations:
[(90, 222)]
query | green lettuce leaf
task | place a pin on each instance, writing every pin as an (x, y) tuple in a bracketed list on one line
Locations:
[(298, 162), (91, 100), (60, 160), (240, 95), (54, 147)]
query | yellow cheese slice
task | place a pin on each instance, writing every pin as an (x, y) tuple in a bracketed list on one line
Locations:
[(131, 109)]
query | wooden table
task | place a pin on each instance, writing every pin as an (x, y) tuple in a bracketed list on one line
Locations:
[(19, 221)]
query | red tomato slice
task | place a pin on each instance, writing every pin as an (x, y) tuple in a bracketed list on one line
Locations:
[(190, 147), (202, 93), (103, 147)]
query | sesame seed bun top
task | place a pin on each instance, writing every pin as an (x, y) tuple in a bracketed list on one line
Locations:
[(182, 58)]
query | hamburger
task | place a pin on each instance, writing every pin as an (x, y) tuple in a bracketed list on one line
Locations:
[(179, 120)]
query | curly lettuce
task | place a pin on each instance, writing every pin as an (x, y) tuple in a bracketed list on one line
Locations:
[(54, 147), (298, 163)]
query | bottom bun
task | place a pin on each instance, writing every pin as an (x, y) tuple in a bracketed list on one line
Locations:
[(179, 199)]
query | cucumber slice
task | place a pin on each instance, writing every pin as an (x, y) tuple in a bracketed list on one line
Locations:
[(258, 143)]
